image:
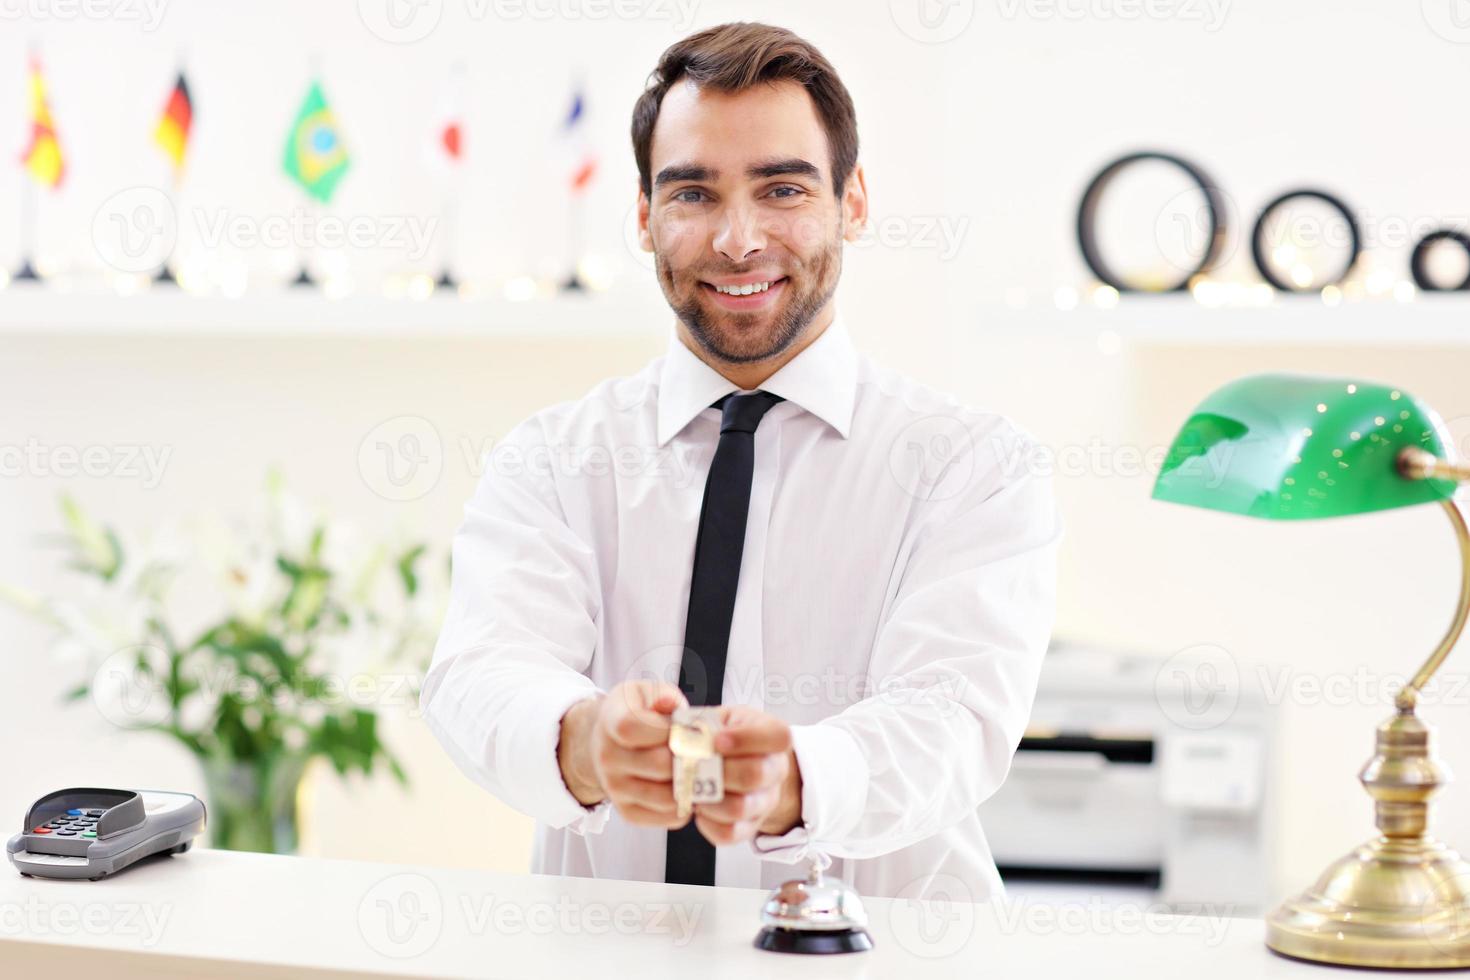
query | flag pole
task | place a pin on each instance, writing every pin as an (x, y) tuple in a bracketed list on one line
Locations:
[(28, 209), (165, 274), (573, 282), (304, 276), (27, 271), (448, 224), (455, 111)]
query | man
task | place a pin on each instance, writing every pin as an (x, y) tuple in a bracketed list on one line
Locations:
[(859, 573)]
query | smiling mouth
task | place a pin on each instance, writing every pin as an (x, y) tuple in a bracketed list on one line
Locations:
[(748, 296), (747, 289)]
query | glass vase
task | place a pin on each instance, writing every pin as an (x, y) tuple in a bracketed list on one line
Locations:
[(253, 803)]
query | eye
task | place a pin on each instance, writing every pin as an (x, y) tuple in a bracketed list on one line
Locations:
[(683, 198), (794, 191)]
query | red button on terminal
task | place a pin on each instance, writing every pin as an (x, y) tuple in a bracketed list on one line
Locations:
[(42, 830)]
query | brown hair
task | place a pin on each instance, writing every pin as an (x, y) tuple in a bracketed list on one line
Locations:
[(738, 56)]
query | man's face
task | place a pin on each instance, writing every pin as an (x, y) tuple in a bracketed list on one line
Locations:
[(742, 196)]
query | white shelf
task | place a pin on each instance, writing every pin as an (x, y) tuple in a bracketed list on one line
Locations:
[(32, 310), (1427, 320), (165, 312)]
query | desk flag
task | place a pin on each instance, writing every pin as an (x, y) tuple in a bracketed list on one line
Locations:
[(315, 155), (574, 131), (173, 128), (42, 157), (446, 149)]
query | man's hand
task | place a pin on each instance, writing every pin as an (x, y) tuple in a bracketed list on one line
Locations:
[(617, 748), (762, 779)]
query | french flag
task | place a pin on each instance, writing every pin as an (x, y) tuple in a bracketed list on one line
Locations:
[(574, 133)]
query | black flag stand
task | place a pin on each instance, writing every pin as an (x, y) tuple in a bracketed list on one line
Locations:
[(304, 278)]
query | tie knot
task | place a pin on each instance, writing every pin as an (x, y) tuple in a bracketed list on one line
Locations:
[(742, 413)]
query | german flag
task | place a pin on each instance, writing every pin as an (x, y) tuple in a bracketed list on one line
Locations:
[(173, 129), (42, 156)]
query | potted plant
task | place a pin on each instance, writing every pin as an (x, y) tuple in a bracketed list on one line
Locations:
[(259, 647)]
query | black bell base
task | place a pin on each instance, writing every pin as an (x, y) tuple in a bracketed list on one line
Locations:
[(810, 941)]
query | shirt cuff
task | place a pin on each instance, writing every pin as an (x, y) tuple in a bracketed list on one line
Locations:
[(834, 789), (534, 720)]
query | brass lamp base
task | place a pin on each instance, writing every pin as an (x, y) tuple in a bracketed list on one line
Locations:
[(1401, 900), (1390, 903)]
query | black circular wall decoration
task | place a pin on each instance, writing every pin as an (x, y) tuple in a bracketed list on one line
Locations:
[(1419, 262), (1087, 222), (1258, 239)]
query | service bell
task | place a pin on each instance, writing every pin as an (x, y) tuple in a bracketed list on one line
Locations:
[(814, 915)]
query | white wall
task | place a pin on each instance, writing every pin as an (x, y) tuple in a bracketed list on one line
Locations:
[(994, 132)]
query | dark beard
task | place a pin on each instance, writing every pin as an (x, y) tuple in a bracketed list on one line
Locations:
[(792, 319)]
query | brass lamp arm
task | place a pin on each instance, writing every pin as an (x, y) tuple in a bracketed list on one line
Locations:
[(1416, 464)]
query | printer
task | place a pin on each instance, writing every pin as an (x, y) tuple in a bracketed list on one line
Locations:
[(1145, 773)]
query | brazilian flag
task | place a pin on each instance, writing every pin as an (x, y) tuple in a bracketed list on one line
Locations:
[(315, 156)]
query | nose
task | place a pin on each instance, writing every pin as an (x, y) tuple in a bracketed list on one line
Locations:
[(739, 235)]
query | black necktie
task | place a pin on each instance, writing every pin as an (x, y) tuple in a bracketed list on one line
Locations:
[(689, 858)]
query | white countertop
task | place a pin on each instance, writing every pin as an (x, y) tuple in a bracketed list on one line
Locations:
[(222, 913)]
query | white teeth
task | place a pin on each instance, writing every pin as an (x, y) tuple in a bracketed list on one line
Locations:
[(755, 287)]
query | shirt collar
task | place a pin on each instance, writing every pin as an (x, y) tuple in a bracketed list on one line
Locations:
[(822, 379)]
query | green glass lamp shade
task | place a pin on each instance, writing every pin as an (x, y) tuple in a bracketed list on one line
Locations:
[(1297, 447)]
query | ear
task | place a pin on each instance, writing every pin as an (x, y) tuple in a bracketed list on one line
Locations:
[(855, 205), (645, 238)]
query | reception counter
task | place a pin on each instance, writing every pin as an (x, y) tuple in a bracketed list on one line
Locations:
[(226, 914)]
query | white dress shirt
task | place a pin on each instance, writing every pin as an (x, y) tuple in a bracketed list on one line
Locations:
[(896, 595)]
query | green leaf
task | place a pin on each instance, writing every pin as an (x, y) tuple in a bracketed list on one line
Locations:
[(117, 554), (97, 549), (406, 570), (308, 594), (238, 640)]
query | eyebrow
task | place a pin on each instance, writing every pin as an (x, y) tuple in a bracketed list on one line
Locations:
[(793, 166)]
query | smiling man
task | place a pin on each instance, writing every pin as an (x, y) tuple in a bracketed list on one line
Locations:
[(856, 577)]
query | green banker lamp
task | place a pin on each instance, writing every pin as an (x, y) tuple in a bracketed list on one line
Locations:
[(1291, 447)]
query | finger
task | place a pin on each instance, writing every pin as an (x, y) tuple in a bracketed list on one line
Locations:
[(722, 834), (636, 727), (736, 807), (656, 763), (748, 773), (758, 736), (666, 699), (657, 696), (643, 817), (736, 714), (641, 792)]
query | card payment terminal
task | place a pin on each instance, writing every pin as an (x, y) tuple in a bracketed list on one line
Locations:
[(90, 833)]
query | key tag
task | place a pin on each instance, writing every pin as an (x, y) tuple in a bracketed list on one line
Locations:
[(699, 771), (815, 914)]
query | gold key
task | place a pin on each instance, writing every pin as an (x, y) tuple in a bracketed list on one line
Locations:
[(691, 739)]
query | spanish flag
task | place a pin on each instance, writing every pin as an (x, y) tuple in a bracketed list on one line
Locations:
[(173, 129), (43, 156)]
